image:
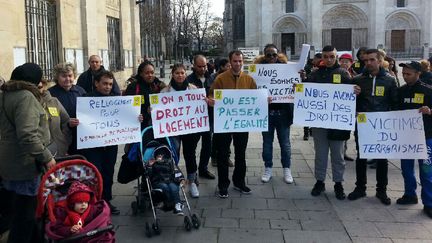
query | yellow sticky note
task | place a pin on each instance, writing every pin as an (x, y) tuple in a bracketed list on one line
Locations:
[(361, 118), (337, 79), (418, 98), (137, 101), (379, 91), (154, 99), (142, 100), (218, 95), (53, 111), (357, 65), (299, 88), (252, 68)]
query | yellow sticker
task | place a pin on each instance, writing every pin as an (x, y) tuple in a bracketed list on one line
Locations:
[(154, 99), (337, 79), (418, 98), (299, 88), (357, 65), (137, 101), (379, 91), (252, 68), (361, 118), (218, 94), (142, 100), (53, 111)]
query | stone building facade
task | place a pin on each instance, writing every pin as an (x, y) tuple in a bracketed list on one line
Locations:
[(402, 27), (51, 31)]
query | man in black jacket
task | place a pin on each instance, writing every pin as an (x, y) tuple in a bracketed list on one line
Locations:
[(329, 139), (378, 93), (86, 79), (200, 78)]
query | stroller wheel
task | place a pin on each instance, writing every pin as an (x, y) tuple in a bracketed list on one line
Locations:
[(195, 221), (148, 230), (187, 223), (134, 206), (156, 227)]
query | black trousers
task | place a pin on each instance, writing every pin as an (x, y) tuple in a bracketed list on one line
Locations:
[(104, 158), (23, 227), (189, 143), (361, 170), (223, 141)]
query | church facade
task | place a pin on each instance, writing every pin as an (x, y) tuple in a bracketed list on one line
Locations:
[(401, 27)]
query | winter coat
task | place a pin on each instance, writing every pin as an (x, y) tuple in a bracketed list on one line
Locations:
[(58, 120), (86, 81), (385, 97), (24, 133), (226, 80), (287, 107)]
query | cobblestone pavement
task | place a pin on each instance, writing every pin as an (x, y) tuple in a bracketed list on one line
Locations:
[(278, 212)]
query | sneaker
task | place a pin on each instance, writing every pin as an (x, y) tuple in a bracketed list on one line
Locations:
[(405, 200), (318, 188), (306, 137), (178, 209), (356, 194), (214, 162), (287, 176), (207, 175), (339, 191), (428, 211), (223, 193), (114, 210), (230, 163), (193, 189), (382, 196), (267, 175), (243, 189)]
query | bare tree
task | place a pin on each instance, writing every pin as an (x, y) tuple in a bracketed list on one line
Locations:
[(201, 18), (215, 34)]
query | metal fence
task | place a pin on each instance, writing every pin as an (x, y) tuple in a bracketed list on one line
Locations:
[(116, 60), (41, 27)]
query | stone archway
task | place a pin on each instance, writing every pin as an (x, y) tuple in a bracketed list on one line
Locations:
[(403, 32), (289, 31), (349, 23)]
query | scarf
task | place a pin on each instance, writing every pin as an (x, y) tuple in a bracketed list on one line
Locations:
[(178, 87), (74, 218)]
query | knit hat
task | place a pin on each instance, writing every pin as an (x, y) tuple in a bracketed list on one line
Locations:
[(346, 56), (28, 72), (79, 197)]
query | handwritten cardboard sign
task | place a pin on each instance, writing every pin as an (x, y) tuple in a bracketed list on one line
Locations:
[(180, 112), (240, 110), (278, 79), (109, 120), (391, 135), (330, 106)]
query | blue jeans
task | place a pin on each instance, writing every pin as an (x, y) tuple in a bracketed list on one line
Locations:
[(170, 190), (277, 121), (410, 182)]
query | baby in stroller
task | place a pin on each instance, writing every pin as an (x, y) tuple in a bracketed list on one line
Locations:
[(165, 177)]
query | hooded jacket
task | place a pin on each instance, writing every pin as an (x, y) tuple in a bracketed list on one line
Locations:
[(86, 81), (24, 132)]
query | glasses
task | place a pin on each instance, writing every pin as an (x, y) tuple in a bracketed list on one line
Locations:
[(270, 55)]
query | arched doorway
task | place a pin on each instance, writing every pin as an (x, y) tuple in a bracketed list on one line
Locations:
[(403, 34), (345, 27), (289, 33)]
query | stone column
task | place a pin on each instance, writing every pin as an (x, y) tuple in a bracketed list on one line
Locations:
[(266, 23), (314, 23), (253, 22), (426, 29), (377, 23)]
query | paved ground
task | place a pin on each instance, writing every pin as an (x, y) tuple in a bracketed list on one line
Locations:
[(278, 212)]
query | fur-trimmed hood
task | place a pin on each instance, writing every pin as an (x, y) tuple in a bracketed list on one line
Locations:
[(15, 85), (282, 58)]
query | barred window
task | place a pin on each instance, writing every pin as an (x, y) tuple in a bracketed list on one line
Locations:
[(289, 8), (400, 3), (41, 28), (114, 45)]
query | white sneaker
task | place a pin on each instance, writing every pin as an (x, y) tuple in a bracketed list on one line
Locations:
[(178, 209), (287, 176), (267, 175), (193, 189)]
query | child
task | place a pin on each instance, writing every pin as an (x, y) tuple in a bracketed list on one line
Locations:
[(166, 176)]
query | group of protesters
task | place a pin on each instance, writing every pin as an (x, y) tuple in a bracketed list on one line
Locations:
[(39, 124)]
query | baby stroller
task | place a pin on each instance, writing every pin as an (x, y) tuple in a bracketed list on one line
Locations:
[(53, 193), (149, 147)]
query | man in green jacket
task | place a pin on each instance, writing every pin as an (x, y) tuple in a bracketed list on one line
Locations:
[(24, 135)]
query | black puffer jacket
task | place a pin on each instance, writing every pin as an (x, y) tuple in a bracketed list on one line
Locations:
[(86, 81), (385, 95)]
